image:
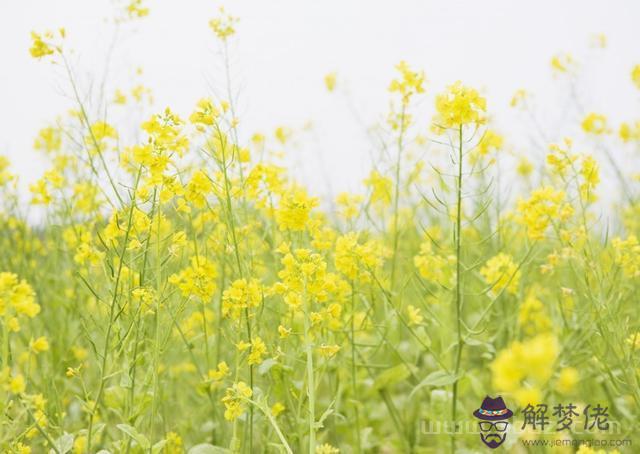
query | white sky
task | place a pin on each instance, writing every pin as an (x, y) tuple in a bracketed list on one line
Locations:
[(285, 47)]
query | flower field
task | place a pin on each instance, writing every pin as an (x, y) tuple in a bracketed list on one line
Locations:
[(183, 292)]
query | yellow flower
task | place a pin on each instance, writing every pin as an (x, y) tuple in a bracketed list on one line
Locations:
[(530, 361), (491, 141), (119, 97), (524, 167), (532, 316), (49, 140), (630, 132), (197, 279), (40, 344), (220, 372), (174, 443), (562, 63), (99, 132), (501, 273), (590, 173), (330, 81), (136, 10), (234, 400), (409, 83), (243, 345), (258, 350), (277, 408), (326, 448), (224, 25), (567, 380), (434, 267), (635, 75), (16, 384), (349, 205), (538, 212), (17, 296), (40, 48), (282, 134), (458, 106), (328, 351), (356, 260), (283, 332), (198, 188), (595, 123), (80, 445), (22, 449), (627, 255), (415, 315), (294, 209), (381, 188), (519, 98), (205, 113), (240, 296), (79, 353)]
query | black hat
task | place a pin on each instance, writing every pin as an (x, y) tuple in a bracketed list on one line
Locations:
[(493, 410)]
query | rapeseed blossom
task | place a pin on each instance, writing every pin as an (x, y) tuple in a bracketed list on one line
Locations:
[(198, 279), (223, 25), (330, 81), (501, 273), (595, 123), (235, 399), (523, 368), (627, 255), (635, 75), (17, 299), (240, 296), (294, 209), (408, 84), (541, 209), (458, 106), (355, 259), (186, 274)]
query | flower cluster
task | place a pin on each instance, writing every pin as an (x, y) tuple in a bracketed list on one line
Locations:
[(541, 209), (458, 106), (501, 273), (524, 368)]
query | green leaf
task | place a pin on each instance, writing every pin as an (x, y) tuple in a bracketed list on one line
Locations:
[(320, 423), (266, 366), (391, 376), (157, 448), (142, 441), (436, 379), (206, 448), (64, 444)]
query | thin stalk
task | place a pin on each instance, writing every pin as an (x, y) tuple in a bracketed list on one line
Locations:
[(353, 364), (156, 352), (107, 339), (458, 295), (274, 424), (311, 390), (112, 311), (396, 199)]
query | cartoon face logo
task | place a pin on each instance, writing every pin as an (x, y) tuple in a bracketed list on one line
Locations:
[(493, 414)]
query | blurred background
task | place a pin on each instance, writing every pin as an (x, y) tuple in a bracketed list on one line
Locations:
[(284, 48)]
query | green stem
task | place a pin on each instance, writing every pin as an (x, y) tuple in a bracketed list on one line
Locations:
[(396, 200), (458, 296), (112, 312), (311, 390), (353, 365)]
